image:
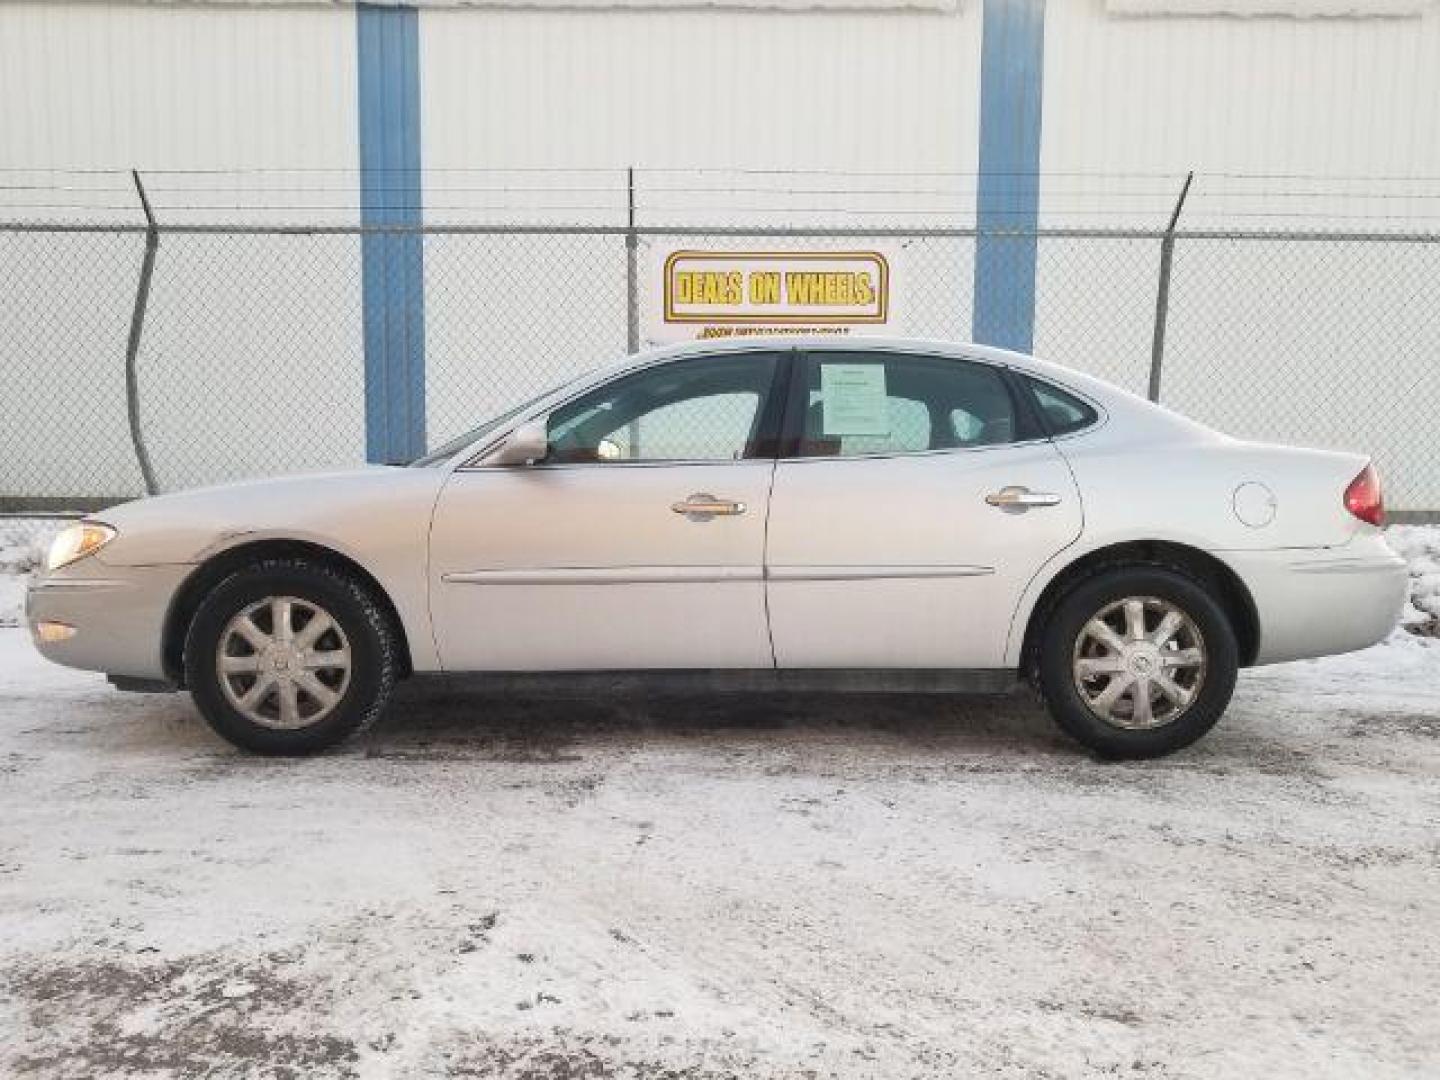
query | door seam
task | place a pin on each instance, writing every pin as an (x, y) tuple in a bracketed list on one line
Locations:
[(765, 564)]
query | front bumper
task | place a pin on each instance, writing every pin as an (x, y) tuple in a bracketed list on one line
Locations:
[(118, 614), (1316, 602)]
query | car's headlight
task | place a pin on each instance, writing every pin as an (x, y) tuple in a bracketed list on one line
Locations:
[(78, 541)]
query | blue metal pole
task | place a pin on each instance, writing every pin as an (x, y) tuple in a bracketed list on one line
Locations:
[(392, 264), (1012, 65)]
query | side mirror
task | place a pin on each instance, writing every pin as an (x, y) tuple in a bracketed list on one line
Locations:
[(526, 445)]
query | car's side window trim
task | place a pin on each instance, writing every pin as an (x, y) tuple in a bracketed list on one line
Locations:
[(768, 435), (792, 429), (794, 432), (790, 369), (1027, 411)]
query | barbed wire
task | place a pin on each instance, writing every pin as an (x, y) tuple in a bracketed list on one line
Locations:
[(581, 195), (620, 170)]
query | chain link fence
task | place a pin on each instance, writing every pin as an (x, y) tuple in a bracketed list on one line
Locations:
[(250, 353), (66, 300)]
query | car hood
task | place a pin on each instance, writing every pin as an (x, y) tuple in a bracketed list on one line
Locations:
[(348, 511)]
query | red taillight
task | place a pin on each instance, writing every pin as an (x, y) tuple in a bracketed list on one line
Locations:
[(1363, 498)]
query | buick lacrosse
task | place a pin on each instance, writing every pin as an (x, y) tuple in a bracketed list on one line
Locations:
[(856, 514)]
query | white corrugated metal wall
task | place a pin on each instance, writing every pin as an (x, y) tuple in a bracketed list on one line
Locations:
[(765, 90), (176, 87), (170, 86)]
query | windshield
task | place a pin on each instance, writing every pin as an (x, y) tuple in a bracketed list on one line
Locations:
[(447, 450)]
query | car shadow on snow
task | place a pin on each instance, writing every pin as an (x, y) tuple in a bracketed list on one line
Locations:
[(907, 735), (440, 718), (439, 713)]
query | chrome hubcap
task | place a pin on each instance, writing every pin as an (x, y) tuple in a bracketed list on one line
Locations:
[(1139, 663), (283, 662)]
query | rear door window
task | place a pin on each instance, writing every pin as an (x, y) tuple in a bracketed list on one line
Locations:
[(858, 403)]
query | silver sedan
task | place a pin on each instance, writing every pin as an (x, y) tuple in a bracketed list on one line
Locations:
[(856, 514)]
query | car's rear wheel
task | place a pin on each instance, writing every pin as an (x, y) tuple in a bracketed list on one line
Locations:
[(288, 656), (1137, 662)]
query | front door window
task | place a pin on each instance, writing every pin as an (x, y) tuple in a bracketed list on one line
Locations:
[(698, 409)]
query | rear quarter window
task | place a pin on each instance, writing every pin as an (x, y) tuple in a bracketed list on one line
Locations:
[(1062, 412)]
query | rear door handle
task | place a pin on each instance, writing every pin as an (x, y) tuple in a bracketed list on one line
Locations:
[(702, 506), (1017, 497)]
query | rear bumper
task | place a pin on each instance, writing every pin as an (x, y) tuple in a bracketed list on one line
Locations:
[(1323, 601), (118, 615)]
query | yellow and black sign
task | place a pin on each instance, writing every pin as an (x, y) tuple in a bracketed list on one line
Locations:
[(774, 291)]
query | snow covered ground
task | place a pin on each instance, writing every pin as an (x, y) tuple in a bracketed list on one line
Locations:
[(23, 542), (701, 889), (1420, 547)]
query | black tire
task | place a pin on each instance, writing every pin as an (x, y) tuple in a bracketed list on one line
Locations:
[(374, 653), (1057, 681)]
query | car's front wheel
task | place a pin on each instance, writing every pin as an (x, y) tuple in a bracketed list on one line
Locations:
[(289, 656), (1137, 662)]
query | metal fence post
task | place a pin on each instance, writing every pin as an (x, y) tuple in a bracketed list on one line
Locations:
[(632, 275), (632, 291), (1162, 293), (137, 325)]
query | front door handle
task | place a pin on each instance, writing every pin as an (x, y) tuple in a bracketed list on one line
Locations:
[(1017, 497), (702, 506)]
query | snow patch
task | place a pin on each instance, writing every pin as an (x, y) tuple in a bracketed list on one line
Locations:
[(23, 543), (1419, 546)]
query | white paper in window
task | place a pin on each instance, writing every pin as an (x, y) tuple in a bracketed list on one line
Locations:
[(853, 399)]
